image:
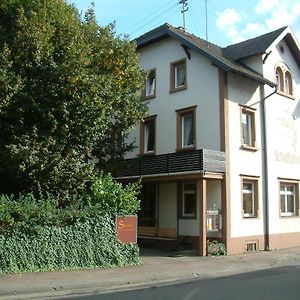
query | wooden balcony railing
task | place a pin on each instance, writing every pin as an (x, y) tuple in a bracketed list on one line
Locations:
[(202, 160)]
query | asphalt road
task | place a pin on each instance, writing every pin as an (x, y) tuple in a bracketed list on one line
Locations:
[(270, 284)]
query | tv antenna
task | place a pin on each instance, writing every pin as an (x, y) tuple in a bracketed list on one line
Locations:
[(184, 9), (206, 25)]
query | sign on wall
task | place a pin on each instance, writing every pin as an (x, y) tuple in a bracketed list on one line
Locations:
[(126, 227)]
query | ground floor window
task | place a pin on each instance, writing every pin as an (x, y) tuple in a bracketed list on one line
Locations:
[(288, 199), (250, 197), (189, 200)]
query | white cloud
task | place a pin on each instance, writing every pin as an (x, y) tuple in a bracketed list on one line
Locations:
[(267, 16), (228, 18), (228, 21)]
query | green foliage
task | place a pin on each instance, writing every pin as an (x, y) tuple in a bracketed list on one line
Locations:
[(91, 244), (216, 248), (69, 90), (25, 213), (107, 197), (111, 197)]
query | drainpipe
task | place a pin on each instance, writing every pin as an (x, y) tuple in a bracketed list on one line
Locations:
[(265, 169)]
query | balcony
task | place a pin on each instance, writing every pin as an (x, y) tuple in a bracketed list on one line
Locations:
[(202, 160)]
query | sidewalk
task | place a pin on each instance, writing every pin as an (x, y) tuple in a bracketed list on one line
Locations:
[(157, 268)]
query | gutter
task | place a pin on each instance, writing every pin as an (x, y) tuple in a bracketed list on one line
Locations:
[(266, 170)]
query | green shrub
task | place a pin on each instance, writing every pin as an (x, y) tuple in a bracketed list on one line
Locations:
[(91, 244), (111, 197), (216, 248)]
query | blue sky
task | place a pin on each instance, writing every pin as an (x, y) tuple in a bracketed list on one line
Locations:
[(228, 21)]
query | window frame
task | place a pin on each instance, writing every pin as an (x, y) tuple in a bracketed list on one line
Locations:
[(143, 128), (284, 80), (144, 92), (249, 112), (255, 198), (295, 185), (181, 113), (184, 192), (173, 75)]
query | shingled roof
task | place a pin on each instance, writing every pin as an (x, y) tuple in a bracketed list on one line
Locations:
[(253, 46), (211, 51)]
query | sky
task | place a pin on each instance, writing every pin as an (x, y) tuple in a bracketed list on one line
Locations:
[(228, 21)]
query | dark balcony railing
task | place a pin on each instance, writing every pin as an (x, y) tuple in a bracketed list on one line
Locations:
[(202, 160)]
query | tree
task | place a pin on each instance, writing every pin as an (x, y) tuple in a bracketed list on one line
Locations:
[(69, 89)]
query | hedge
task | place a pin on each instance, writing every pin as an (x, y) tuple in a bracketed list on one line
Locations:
[(89, 244)]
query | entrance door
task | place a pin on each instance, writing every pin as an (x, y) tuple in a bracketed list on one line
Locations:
[(147, 215)]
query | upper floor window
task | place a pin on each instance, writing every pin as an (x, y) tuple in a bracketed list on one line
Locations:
[(284, 80), (288, 198), (178, 76), (248, 127), (279, 79), (148, 136), (186, 128), (149, 90), (288, 87)]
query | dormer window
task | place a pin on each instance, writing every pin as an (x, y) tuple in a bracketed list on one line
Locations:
[(284, 80)]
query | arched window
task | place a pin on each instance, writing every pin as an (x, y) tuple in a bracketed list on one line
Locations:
[(288, 85), (279, 79)]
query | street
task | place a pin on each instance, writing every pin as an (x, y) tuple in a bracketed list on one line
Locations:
[(275, 283)]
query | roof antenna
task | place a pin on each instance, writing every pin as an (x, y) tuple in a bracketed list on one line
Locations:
[(206, 29), (184, 9)]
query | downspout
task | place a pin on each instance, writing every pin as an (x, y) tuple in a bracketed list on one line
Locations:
[(266, 170)]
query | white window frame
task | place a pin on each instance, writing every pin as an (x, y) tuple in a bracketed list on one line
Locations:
[(150, 88), (285, 194), (248, 132), (252, 192), (183, 116)]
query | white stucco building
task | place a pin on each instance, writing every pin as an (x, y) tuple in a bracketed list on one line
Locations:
[(219, 154)]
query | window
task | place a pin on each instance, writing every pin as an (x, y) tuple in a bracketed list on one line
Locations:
[(189, 203), (150, 86), (284, 80), (186, 129), (288, 87), (250, 201), (148, 136), (248, 127), (279, 79), (178, 76), (288, 199)]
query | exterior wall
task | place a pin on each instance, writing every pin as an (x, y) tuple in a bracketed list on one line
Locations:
[(283, 142), (202, 91), (243, 162), (283, 148), (167, 206)]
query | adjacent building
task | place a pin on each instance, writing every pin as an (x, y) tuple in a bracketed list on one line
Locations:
[(219, 154)]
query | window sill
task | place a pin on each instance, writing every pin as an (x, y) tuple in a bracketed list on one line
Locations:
[(152, 153), (281, 93), (188, 217), (186, 149), (250, 217), (249, 148), (178, 89), (145, 98), (289, 217)]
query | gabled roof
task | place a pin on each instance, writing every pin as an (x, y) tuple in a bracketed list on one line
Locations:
[(254, 46), (203, 47)]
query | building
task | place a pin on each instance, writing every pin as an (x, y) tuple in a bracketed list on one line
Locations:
[(219, 154)]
